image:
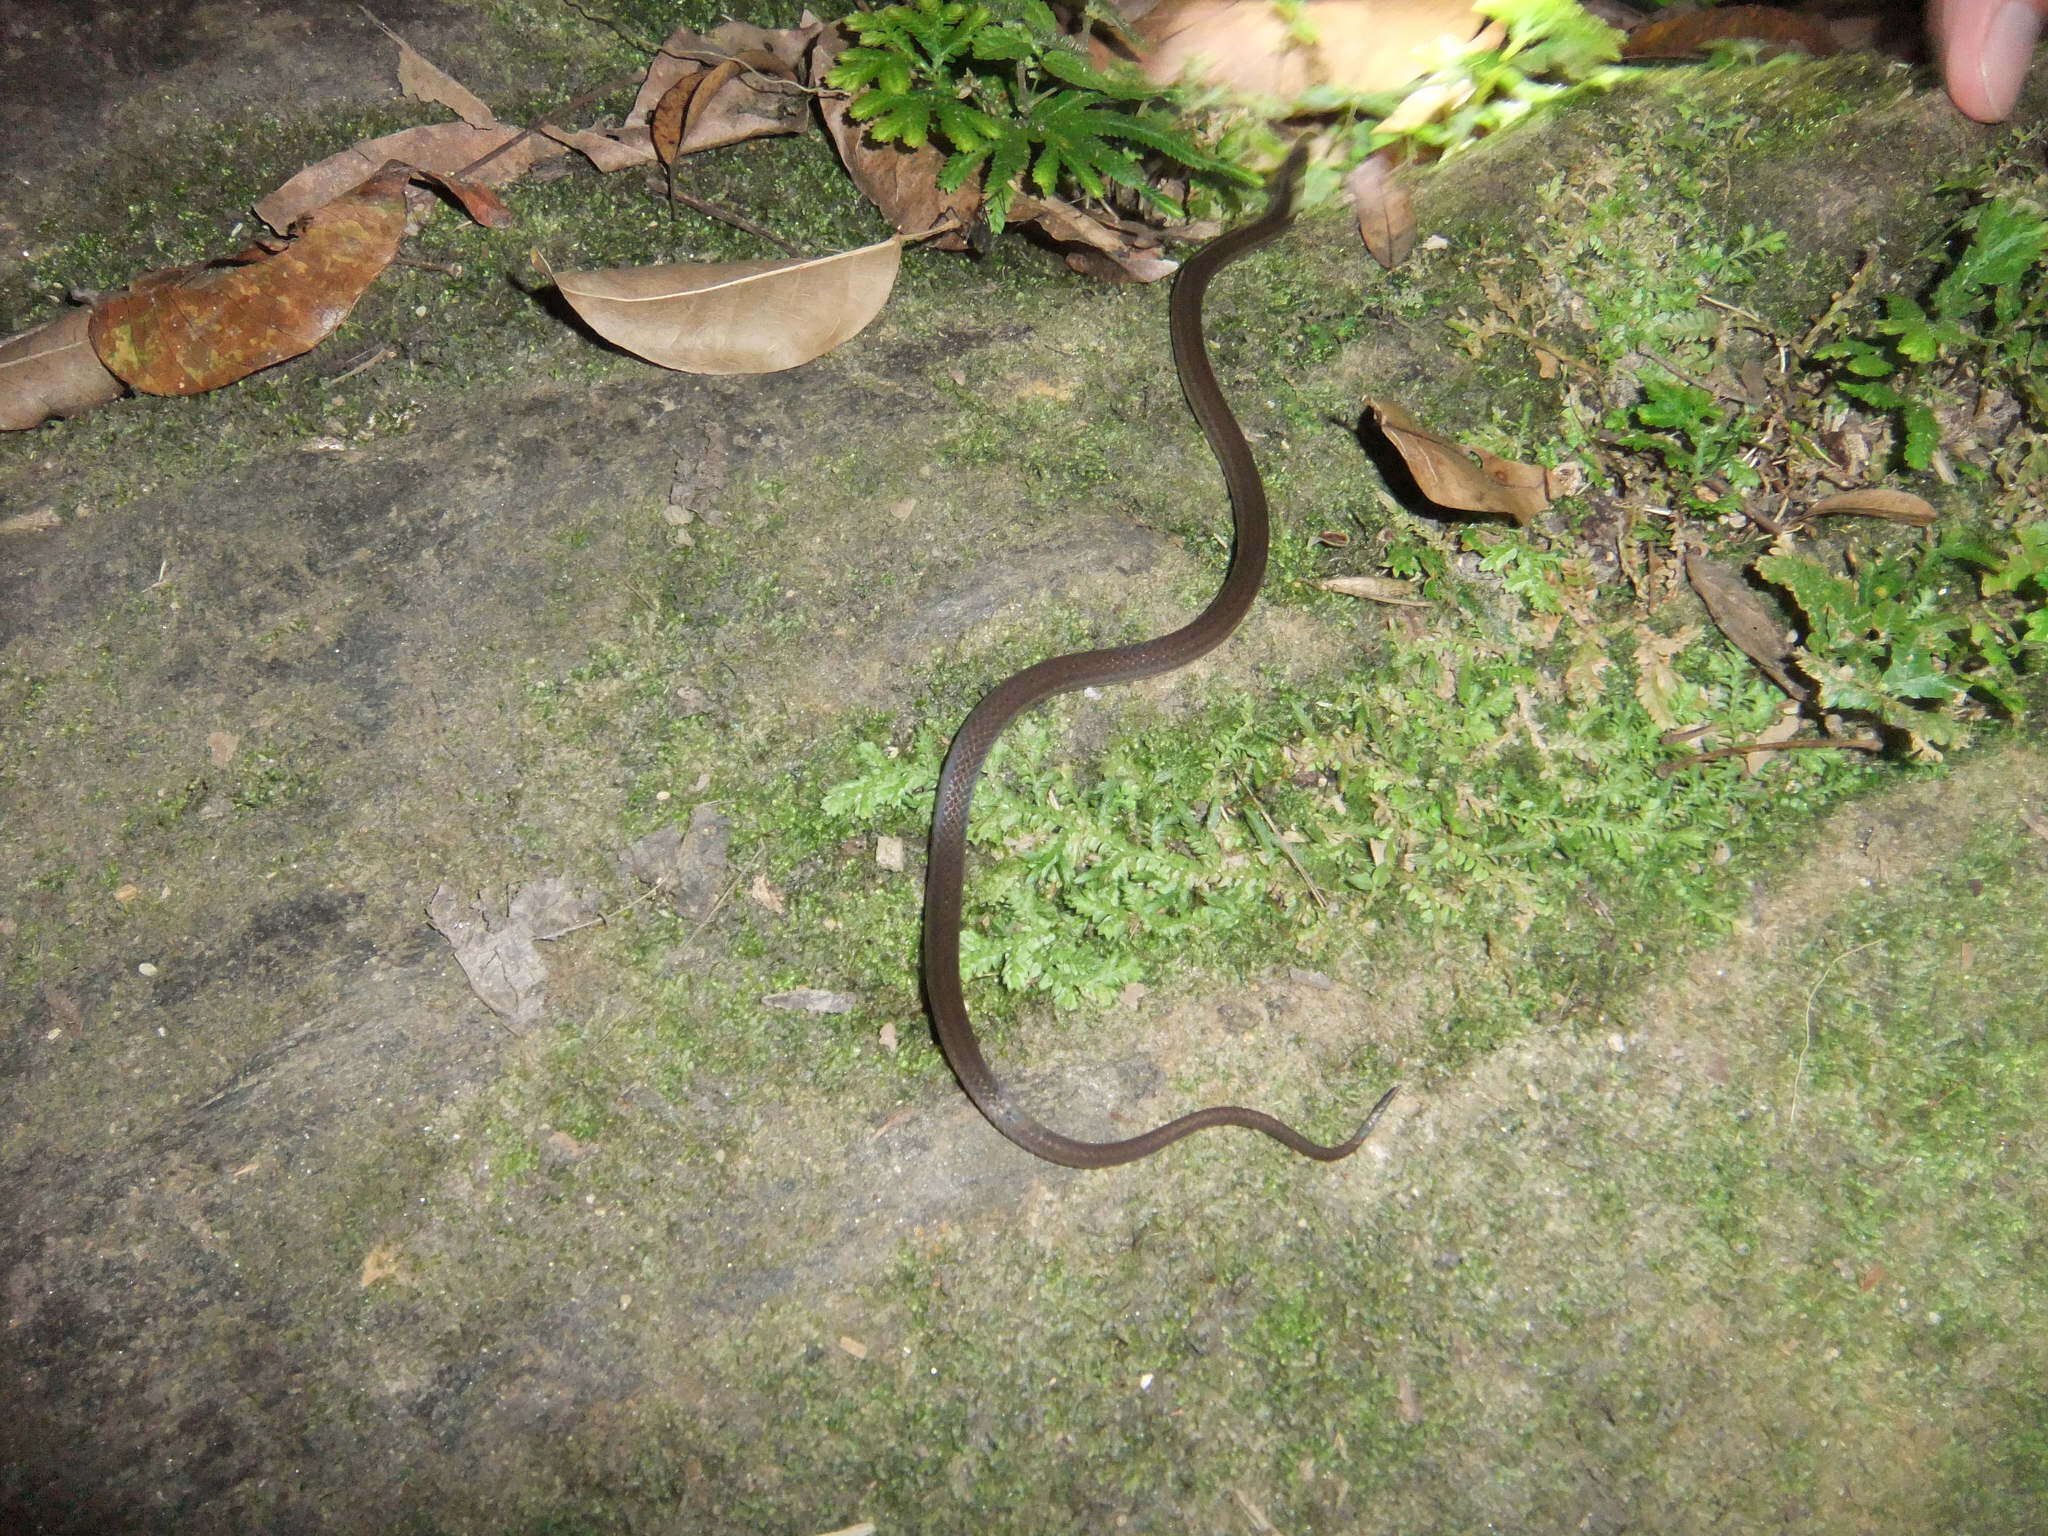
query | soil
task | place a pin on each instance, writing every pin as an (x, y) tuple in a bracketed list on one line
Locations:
[(235, 1088)]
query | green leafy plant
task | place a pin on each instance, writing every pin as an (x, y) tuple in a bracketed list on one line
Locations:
[(1987, 318), (1699, 439), (1889, 638), (1014, 100)]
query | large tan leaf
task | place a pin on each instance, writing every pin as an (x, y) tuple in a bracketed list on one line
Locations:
[(737, 317), (52, 371), (186, 331)]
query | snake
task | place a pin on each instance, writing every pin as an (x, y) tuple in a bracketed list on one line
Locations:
[(946, 861)]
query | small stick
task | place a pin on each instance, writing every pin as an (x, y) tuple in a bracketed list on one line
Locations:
[(1273, 836), (726, 215), (547, 120), (1847, 744), (605, 917)]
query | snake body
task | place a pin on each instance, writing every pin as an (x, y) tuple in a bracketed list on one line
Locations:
[(946, 866)]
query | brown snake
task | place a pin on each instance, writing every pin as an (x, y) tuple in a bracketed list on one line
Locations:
[(946, 867)]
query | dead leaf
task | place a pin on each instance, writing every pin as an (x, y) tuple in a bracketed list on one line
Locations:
[(686, 52), (498, 955), (1250, 46), (221, 747), (380, 1263), (1091, 246), (1784, 728), (1746, 619), (762, 894), (737, 317), (187, 331), (446, 149), (853, 1347), (1465, 479), (811, 1000), (1384, 209), (428, 82), (902, 182), (1376, 589), (1893, 506), (1688, 36), (690, 866), (52, 371)]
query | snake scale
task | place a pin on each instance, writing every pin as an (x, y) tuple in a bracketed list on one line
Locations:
[(946, 866)]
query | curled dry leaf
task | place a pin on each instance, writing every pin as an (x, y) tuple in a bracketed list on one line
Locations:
[(1249, 46), (1385, 211), (1893, 506), (1466, 479), (1091, 246), (1376, 589), (187, 331), (52, 371), (737, 317), (444, 149), (1746, 619), (774, 53), (1688, 36), (423, 80)]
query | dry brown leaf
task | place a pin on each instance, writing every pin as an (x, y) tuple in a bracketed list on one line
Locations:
[(1385, 211), (903, 183), (52, 371), (189, 330), (1465, 479), (1784, 728), (185, 332), (1688, 36), (1746, 619), (690, 867), (1893, 506), (442, 148), (380, 1263), (1376, 589), (737, 317), (498, 955), (686, 52), (1247, 46), (1090, 245), (425, 81)]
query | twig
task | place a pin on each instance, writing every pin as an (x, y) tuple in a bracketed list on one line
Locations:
[(1799, 1071), (547, 120), (1841, 301), (725, 215), (605, 917), (1273, 835), (1694, 380), (365, 365), (1804, 743)]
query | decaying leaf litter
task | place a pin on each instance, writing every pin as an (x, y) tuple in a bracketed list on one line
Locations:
[(1426, 1400)]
